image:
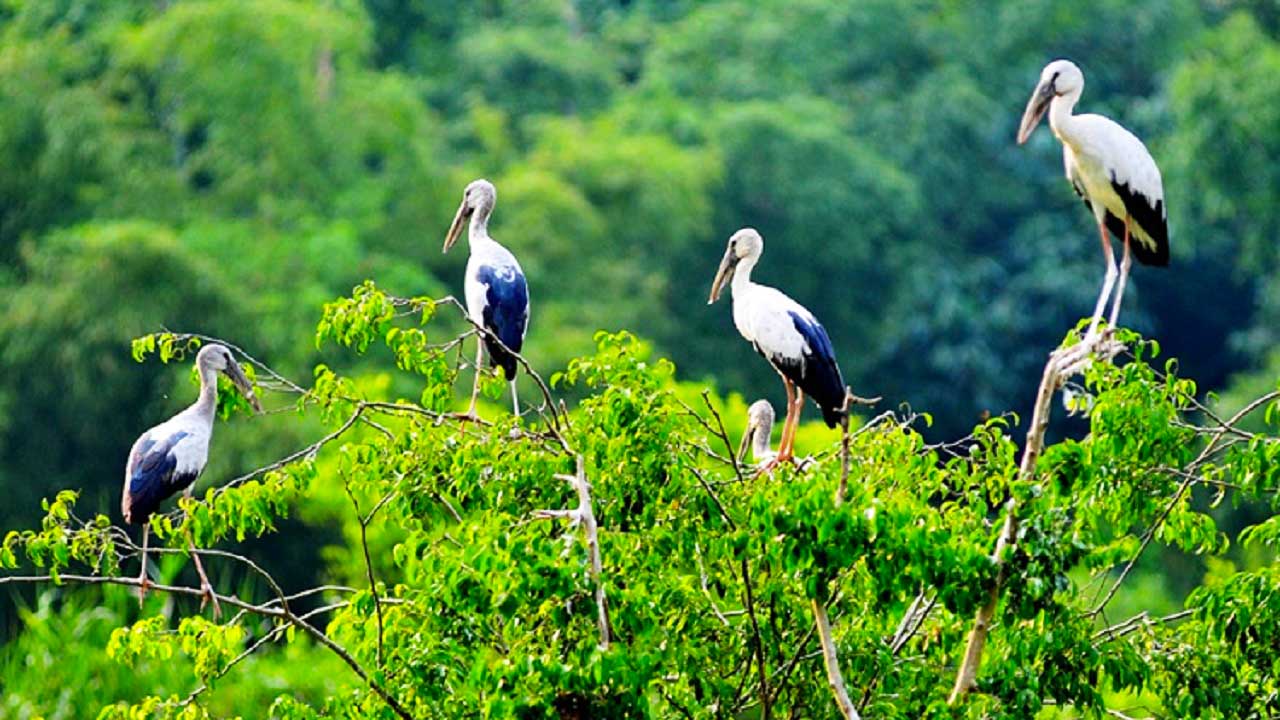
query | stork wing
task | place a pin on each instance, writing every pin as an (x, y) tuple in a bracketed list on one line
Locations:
[(151, 476), (506, 311)]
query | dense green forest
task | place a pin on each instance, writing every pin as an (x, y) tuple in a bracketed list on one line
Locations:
[(228, 168)]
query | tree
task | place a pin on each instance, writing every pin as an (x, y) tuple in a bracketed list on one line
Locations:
[(686, 586)]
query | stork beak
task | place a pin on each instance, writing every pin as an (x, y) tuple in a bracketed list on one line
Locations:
[(748, 436), (1036, 108), (241, 381), (455, 229), (722, 275)]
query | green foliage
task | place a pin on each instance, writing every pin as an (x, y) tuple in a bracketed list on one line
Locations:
[(230, 167), (479, 603)]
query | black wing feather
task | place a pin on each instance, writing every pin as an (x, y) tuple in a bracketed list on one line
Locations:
[(154, 479), (506, 314), (1150, 216), (817, 372)]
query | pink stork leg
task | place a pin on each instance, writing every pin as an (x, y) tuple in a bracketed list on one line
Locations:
[(206, 587), (786, 426), (787, 448), (1125, 263), (1107, 284)]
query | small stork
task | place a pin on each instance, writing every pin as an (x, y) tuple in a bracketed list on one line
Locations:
[(1111, 170), (496, 291), (760, 418), (786, 334), (170, 456)]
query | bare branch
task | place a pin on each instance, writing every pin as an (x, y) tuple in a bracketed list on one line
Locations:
[(584, 516), (759, 642), (834, 679), (1059, 367)]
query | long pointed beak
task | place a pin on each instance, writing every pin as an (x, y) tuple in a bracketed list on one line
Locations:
[(242, 383), (748, 436), (722, 276), (1037, 106), (455, 229)]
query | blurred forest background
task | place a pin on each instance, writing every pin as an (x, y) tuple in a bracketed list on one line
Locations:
[(226, 167)]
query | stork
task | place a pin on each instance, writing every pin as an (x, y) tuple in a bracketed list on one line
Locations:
[(170, 456), (786, 334), (1111, 170), (496, 292), (760, 418)]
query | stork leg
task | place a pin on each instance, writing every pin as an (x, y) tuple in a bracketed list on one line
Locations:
[(1107, 284), (475, 387), (515, 400), (787, 450), (1125, 263), (206, 587), (142, 576)]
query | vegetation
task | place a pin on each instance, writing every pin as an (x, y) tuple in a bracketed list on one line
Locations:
[(230, 168)]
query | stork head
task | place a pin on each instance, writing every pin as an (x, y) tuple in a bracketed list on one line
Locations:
[(1060, 77), (759, 427), (218, 358), (479, 197), (744, 244)]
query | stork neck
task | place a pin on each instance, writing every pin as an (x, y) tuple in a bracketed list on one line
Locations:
[(208, 401), (760, 448), (1060, 114), (479, 231), (742, 274)]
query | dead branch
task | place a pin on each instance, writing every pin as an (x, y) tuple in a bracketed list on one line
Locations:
[(1060, 366), (584, 517), (834, 679)]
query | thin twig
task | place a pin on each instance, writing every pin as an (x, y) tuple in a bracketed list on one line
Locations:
[(759, 643)]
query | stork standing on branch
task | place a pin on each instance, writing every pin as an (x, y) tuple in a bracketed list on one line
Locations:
[(496, 291), (787, 335), (170, 456), (1111, 170)]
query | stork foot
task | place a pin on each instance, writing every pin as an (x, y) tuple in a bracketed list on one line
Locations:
[(208, 596), (142, 589), (769, 466)]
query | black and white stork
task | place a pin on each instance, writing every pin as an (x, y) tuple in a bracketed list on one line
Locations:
[(1111, 170), (170, 456), (496, 291), (757, 435), (786, 334)]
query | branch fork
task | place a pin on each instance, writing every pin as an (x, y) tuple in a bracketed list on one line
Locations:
[(584, 517)]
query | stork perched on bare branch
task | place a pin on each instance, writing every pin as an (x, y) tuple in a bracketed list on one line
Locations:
[(170, 456), (1113, 172), (496, 291)]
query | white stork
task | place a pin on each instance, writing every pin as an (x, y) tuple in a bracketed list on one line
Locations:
[(496, 291), (170, 456), (760, 418), (786, 334), (1111, 170)]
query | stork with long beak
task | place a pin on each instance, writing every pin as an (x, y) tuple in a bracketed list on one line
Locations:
[(1111, 170), (496, 292), (756, 437), (170, 456), (788, 336)]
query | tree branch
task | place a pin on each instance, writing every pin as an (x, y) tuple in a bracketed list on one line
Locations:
[(584, 516), (1059, 367), (834, 679)]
